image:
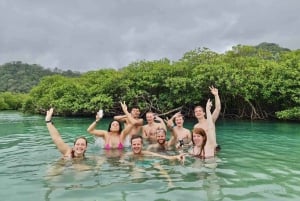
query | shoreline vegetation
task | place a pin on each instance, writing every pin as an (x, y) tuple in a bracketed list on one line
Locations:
[(254, 82)]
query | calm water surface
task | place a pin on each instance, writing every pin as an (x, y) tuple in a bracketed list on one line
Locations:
[(258, 161)]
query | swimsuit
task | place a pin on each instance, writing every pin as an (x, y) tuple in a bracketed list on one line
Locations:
[(120, 146), (107, 146)]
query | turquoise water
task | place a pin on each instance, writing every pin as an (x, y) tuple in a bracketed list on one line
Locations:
[(258, 161)]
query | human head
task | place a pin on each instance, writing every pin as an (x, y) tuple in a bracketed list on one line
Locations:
[(136, 144), (199, 137), (199, 112), (115, 126), (161, 136), (135, 111), (179, 120), (150, 117), (80, 146)]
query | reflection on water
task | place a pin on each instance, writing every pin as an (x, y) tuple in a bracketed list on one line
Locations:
[(258, 161)]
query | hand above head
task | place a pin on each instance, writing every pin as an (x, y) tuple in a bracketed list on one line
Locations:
[(178, 114), (208, 105), (124, 107), (169, 122), (214, 90), (99, 115), (49, 114)]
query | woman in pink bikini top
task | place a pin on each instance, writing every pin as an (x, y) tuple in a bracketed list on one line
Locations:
[(115, 136)]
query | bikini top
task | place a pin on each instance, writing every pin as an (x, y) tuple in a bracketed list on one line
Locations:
[(120, 145)]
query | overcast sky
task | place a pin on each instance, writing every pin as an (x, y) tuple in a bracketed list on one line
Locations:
[(84, 35)]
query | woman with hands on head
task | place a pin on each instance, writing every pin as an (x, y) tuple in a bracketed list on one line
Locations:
[(114, 137), (80, 143)]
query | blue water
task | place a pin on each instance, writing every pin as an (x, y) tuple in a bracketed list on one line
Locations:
[(258, 161)]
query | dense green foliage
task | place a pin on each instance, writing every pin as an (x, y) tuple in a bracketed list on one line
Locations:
[(20, 78), (254, 82), (12, 101)]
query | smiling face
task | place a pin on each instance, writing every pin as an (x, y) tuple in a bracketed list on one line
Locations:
[(115, 126), (150, 117), (199, 137), (137, 145), (179, 121), (160, 136), (135, 112), (80, 146), (199, 112)]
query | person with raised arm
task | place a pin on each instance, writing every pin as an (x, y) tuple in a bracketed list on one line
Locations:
[(154, 122), (132, 119), (202, 121), (80, 144), (180, 134), (161, 143), (204, 140), (114, 137), (137, 150)]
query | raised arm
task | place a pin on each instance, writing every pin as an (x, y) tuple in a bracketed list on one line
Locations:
[(170, 122), (173, 138), (130, 122), (121, 118), (129, 118), (58, 141), (145, 134), (211, 134), (161, 122), (92, 128), (217, 109)]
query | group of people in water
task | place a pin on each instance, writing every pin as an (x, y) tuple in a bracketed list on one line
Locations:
[(200, 142)]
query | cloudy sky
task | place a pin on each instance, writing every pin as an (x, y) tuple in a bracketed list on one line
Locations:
[(83, 35)]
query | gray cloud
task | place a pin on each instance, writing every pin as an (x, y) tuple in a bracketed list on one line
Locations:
[(92, 34)]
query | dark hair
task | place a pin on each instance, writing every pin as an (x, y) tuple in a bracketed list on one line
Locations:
[(136, 137), (201, 132), (120, 126), (134, 107)]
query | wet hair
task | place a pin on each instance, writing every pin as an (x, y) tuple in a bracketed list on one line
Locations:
[(161, 129), (120, 126), (136, 137), (200, 131), (198, 106), (86, 143)]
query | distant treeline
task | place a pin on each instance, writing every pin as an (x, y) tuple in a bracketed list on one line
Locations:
[(254, 82), (19, 77)]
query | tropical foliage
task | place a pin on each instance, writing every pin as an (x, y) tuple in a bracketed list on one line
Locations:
[(254, 82)]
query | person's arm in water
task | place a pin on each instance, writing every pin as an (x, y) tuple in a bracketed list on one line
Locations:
[(217, 109), (180, 157), (58, 141)]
